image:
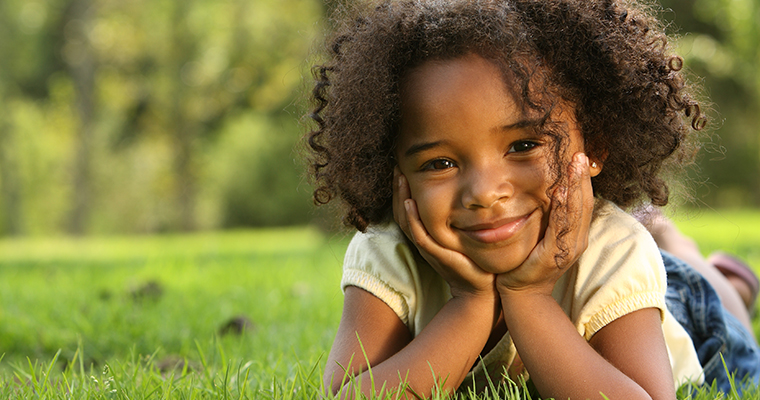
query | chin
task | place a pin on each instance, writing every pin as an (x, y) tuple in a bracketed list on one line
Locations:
[(498, 271), (497, 266)]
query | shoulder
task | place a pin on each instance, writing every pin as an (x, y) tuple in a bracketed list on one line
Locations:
[(617, 240), (383, 251), (621, 270), (611, 224), (378, 240), (383, 263)]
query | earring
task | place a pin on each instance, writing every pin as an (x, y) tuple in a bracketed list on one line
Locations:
[(593, 164)]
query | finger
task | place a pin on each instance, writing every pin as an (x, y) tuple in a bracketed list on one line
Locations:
[(587, 202), (548, 248), (567, 232), (399, 213), (403, 195), (422, 238), (580, 202), (429, 247), (417, 231), (578, 210)]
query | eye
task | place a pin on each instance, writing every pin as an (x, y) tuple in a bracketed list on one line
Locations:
[(439, 164), (522, 146)]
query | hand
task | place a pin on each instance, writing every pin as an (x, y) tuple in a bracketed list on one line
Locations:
[(566, 237), (459, 271)]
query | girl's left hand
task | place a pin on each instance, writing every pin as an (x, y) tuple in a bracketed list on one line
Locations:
[(465, 278), (566, 236)]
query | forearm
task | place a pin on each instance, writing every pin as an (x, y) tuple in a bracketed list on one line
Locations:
[(442, 354), (560, 362)]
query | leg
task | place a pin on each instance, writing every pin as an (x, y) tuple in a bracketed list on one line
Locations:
[(739, 274), (670, 239)]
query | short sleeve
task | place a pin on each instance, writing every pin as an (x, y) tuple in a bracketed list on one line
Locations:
[(382, 262), (621, 271)]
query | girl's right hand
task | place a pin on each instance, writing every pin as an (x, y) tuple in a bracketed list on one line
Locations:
[(465, 278)]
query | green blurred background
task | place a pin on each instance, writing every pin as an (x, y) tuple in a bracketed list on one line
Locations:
[(144, 116)]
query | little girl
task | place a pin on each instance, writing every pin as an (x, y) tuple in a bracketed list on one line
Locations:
[(484, 150)]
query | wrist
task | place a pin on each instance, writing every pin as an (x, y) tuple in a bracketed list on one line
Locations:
[(508, 287), (483, 304), (524, 294), (473, 295)]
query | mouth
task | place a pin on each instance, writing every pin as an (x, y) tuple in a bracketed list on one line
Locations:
[(496, 231)]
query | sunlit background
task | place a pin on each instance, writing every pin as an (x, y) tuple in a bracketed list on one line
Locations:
[(146, 116)]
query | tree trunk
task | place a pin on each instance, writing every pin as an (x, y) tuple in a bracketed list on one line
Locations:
[(183, 128), (184, 136), (10, 188), (82, 72)]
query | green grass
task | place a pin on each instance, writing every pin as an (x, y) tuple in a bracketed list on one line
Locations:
[(734, 231), (140, 317), (133, 306)]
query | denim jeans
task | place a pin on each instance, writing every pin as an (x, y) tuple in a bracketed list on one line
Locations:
[(714, 331)]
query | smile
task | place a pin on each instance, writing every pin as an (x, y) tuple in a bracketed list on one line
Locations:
[(497, 231)]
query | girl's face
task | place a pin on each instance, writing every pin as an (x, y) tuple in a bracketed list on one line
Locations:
[(477, 171)]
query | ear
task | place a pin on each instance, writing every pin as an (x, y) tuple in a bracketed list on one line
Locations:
[(595, 167), (597, 162)]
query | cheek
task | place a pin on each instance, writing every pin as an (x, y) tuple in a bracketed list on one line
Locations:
[(431, 204), (535, 180)]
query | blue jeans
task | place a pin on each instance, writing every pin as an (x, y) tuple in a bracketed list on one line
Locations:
[(714, 331)]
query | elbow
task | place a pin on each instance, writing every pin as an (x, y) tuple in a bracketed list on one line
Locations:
[(331, 387)]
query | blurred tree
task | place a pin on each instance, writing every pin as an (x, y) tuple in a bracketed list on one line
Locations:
[(720, 41), (9, 180), (114, 113), (81, 67), (215, 61), (156, 115), (26, 54)]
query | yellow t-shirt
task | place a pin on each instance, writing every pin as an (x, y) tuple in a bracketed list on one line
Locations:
[(621, 271)]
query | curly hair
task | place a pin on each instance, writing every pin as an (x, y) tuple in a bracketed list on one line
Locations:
[(610, 59)]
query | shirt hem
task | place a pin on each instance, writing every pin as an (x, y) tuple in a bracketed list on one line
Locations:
[(622, 307), (377, 287)]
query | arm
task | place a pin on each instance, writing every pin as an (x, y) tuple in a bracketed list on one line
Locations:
[(626, 359), (449, 345)]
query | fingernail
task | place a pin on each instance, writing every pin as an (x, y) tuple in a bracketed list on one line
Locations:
[(583, 163), (581, 158), (407, 205)]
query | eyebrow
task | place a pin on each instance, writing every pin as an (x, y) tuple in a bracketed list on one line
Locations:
[(525, 123), (420, 147)]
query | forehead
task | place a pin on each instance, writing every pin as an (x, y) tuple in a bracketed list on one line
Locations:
[(438, 77), (448, 89)]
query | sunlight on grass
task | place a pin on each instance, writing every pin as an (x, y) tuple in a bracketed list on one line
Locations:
[(143, 317), (265, 241), (732, 231)]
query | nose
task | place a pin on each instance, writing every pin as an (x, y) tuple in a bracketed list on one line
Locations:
[(483, 188)]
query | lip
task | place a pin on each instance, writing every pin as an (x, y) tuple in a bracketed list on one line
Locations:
[(496, 231)]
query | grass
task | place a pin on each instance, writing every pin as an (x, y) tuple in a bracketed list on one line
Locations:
[(133, 308), (733, 231), (143, 317)]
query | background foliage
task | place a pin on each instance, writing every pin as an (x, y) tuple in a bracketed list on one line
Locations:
[(720, 42), (163, 115)]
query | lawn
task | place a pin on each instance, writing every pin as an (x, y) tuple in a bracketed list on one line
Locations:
[(143, 305), (244, 314)]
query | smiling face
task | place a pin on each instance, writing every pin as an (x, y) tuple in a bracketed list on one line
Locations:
[(476, 167)]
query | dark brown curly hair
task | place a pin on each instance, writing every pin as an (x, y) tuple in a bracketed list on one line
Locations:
[(610, 59)]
